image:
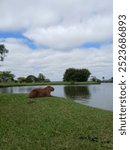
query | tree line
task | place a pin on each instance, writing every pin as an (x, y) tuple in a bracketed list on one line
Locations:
[(7, 76), (70, 75)]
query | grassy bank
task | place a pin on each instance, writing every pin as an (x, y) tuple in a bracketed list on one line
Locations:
[(52, 123), (46, 83)]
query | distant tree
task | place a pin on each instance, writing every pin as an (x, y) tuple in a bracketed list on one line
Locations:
[(31, 78), (21, 79), (103, 78), (78, 75), (41, 77), (111, 80), (3, 52), (93, 78), (6, 76), (98, 80), (47, 80)]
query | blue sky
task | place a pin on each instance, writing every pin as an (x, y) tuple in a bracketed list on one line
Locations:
[(30, 43), (50, 36), (18, 35)]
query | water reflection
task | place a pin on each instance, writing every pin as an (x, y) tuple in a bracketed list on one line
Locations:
[(77, 92), (100, 96), (6, 90)]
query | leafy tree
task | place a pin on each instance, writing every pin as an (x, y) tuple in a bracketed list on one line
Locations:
[(6, 76), (94, 79), (21, 79), (31, 78), (78, 75), (98, 80), (111, 79), (103, 78), (47, 80), (3, 52), (41, 77)]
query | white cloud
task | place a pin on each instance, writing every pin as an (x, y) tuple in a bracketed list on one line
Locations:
[(59, 24), (97, 29), (22, 61), (62, 26), (17, 14)]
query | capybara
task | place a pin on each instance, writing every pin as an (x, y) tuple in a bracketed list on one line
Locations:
[(41, 92)]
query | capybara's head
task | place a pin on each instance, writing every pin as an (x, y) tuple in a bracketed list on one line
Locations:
[(50, 88)]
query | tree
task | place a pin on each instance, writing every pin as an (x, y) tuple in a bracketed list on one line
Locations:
[(31, 78), (111, 79), (21, 79), (78, 75), (3, 52), (94, 79), (47, 80), (41, 77), (6, 76), (103, 78)]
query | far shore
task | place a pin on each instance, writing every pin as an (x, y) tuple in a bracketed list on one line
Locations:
[(10, 84)]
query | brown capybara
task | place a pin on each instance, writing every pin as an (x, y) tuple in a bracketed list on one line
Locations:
[(41, 92)]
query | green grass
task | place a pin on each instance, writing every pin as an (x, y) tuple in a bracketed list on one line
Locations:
[(9, 84), (52, 123)]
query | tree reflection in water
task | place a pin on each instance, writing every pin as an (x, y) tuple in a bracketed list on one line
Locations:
[(77, 92)]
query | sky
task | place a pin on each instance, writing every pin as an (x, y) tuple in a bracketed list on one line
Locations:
[(49, 36)]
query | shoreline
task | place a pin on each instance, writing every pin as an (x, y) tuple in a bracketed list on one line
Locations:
[(47, 83)]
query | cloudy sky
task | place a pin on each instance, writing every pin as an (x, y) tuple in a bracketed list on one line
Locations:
[(49, 36)]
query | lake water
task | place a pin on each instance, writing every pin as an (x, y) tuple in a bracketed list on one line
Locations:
[(99, 95)]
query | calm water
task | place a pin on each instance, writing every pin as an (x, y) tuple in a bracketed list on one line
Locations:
[(100, 96)]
